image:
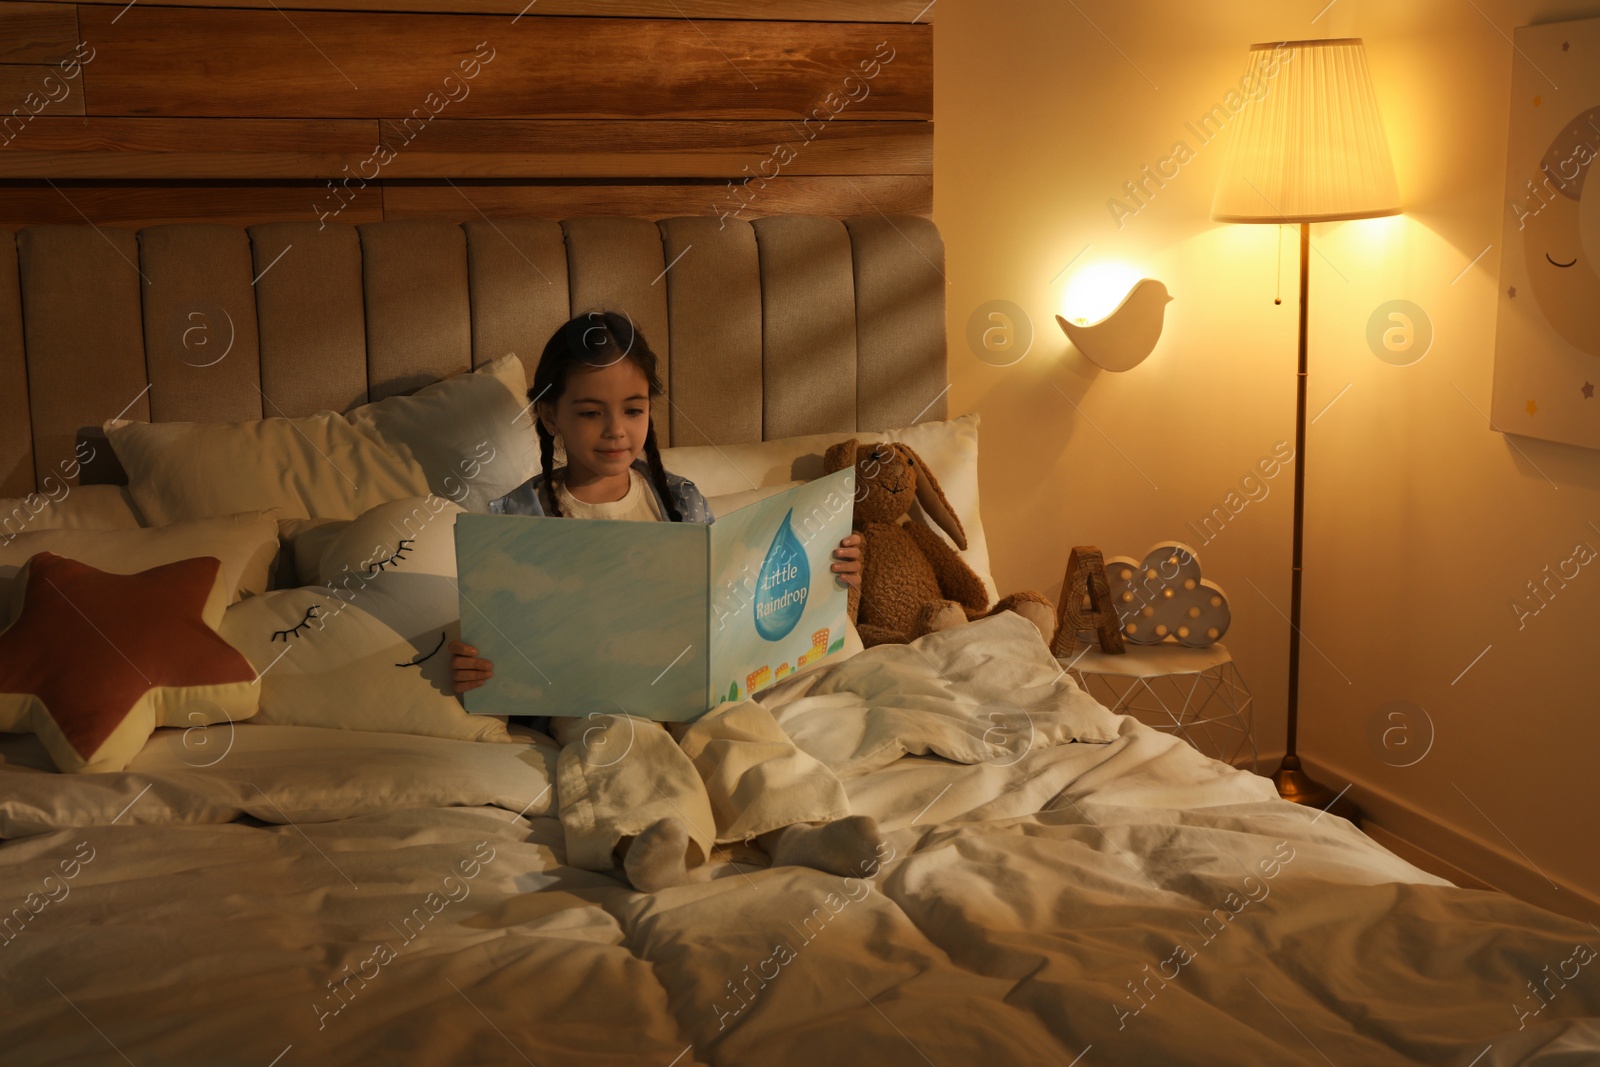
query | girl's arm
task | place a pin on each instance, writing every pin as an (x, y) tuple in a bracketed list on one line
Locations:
[(469, 671)]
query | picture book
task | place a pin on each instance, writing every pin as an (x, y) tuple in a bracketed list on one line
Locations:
[(663, 620)]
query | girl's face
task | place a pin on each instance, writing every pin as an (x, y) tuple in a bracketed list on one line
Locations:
[(603, 417)]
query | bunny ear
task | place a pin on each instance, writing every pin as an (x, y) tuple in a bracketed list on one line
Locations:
[(931, 497), (840, 456)]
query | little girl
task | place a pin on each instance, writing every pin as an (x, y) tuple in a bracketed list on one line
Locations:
[(628, 790)]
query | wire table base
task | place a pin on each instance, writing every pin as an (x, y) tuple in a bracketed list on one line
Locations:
[(1195, 693)]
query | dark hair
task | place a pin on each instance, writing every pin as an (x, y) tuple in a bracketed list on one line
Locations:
[(596, 339)]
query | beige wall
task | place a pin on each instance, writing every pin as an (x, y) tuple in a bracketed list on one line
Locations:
[(1423, 525)]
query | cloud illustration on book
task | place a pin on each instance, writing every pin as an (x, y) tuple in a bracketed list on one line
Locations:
[(636, 557), (526, 583), (648, 646), (531, 693)]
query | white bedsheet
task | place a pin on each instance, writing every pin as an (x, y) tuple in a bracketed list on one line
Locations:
[(1051, 902), (277, 774)]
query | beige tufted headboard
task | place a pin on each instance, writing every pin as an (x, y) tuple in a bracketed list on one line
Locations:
[(782, 326)]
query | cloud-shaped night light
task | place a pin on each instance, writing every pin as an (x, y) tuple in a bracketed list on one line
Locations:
[(1165, 597)]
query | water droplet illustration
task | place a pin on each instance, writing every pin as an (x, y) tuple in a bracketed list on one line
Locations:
[(783, 584)]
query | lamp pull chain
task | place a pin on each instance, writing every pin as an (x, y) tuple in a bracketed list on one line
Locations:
[(1278, 294)]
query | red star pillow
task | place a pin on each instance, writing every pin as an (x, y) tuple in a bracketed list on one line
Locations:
[(95, 661)]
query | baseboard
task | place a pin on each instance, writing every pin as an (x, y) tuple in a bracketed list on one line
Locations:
[(1448, 851), (1418, 856)]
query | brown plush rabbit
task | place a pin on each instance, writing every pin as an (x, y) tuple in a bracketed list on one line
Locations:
[(912, 583)]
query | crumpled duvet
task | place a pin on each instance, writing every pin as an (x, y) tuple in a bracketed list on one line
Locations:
[(1113, 899), (988, 692)]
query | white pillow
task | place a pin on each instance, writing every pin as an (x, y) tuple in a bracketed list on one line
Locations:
[(467, 438), (69, 507), (724, 470), (722, 505), (304, 541), (246, 544), (319, 465), (472, 435), (950, 449), (368, 648)]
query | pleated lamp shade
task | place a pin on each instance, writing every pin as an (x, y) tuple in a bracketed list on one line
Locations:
[(1311, 148)]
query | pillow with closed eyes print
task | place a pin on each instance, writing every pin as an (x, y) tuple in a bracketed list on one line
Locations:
[(367, 647)]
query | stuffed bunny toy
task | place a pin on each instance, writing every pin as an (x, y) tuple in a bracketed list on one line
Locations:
[(912, 582)]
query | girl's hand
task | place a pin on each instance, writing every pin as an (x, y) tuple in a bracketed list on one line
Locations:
[(469, 671), (849, 556)]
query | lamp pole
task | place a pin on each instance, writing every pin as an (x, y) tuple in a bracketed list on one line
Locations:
[(1293, 783)]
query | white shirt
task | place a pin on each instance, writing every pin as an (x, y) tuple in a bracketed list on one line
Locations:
[(638, 504)]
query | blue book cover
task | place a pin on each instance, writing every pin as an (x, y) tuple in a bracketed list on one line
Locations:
[(662, 620)]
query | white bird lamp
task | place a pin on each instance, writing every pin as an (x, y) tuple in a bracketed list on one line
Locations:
[(1123, 339)]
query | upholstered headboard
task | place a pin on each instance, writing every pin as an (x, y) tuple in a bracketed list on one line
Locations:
[(781, 326)]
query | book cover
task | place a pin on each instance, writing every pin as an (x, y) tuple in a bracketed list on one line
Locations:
[(656, 619)]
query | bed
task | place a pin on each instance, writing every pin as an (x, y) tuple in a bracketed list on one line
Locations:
[(1059, 885)]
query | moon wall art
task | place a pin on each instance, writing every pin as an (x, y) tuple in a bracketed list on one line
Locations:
[(1547, 344)]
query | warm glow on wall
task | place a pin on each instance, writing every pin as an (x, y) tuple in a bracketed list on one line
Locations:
[(1095, 291), (1118, 321), (1375, 237)]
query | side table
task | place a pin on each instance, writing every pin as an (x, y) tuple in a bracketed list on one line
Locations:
[(1196, 693)]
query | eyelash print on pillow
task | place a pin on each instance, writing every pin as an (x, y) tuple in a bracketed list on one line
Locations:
[(376, 567), (311, 613), (420, 660)]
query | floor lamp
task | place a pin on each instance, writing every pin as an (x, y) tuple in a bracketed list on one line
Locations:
[(1308, 147)]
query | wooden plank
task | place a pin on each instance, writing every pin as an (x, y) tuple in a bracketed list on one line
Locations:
[(131, 206), (327, 64), (784, 10), (92, 147), (30, 91), (37, 33), (891, 194), (188, 148), (524, 148)]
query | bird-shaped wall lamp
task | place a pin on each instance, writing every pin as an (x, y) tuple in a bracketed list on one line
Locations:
[(1123, 339)]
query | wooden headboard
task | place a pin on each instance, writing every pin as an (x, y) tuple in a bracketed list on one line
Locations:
[(782, 326), (250, 111), (361, 196)]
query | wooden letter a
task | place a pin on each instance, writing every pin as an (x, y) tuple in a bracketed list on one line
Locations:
[(1085, 604)]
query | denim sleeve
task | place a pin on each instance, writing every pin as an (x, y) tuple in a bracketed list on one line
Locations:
[(692, 503), (523, 500)]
